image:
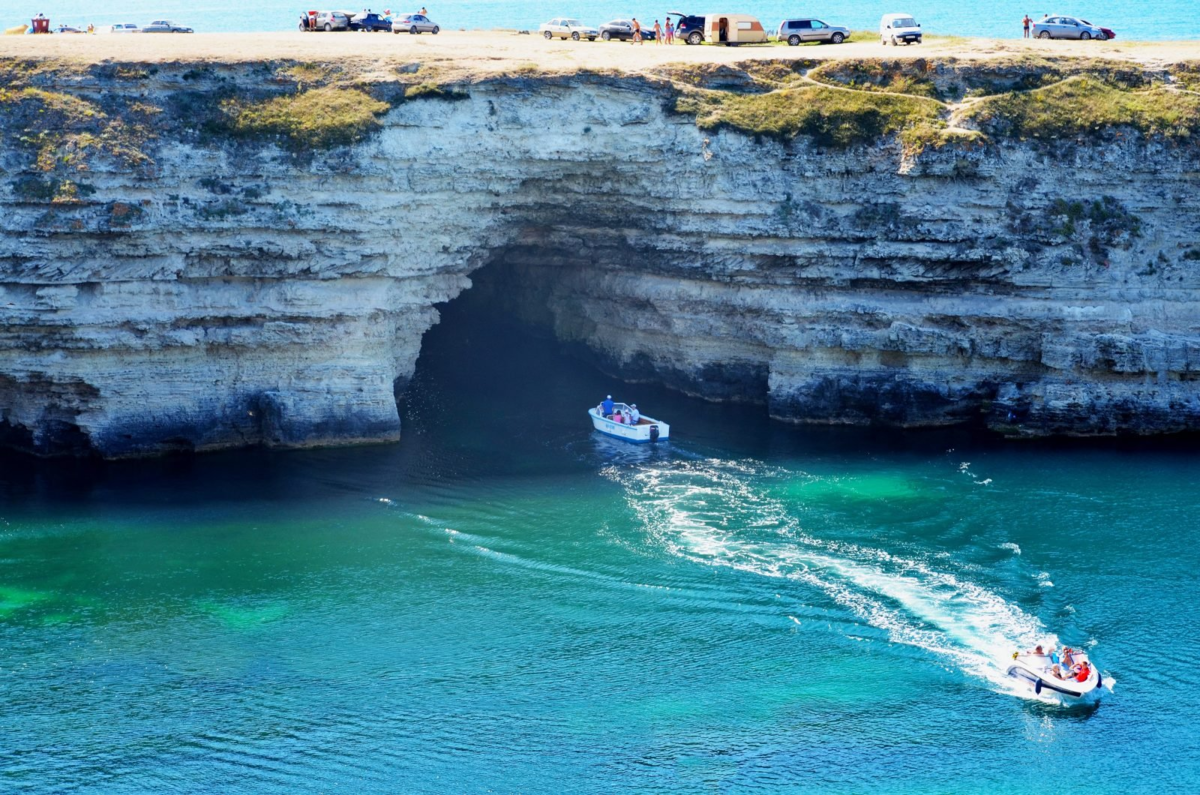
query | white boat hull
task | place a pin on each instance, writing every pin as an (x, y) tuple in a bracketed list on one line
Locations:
[(1035, 670), (646, 431)]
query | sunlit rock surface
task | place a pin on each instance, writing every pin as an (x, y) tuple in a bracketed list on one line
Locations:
[(225, 291)]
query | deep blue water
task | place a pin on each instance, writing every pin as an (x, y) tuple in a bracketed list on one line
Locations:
[(506, 602), (1165, 19)]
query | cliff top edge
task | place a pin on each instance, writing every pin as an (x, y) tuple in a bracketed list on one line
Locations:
[(488, 53)]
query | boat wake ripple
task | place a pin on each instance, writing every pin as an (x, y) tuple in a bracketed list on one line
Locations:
[(712, 512)]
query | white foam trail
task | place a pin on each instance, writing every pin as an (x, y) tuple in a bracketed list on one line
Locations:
[(707, 511)]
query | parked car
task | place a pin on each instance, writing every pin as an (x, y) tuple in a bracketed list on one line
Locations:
[(1069, 28), (622, 30), (690, 28), (565, 28), (68, 29), (896, 28), (125, 27), (332, 20), (794, 31), (733, 29), (414, 24), (370, 22), (165, 26)]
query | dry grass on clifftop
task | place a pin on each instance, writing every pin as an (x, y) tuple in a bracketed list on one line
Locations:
[(1081, 106), (832, 117), (317, 118)]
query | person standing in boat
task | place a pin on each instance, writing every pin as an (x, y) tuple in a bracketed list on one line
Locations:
[(635, 416), (606, 408)]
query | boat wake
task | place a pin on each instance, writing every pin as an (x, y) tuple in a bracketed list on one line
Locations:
[(717, 513)]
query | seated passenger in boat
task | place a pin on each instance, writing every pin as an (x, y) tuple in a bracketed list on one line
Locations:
[(1038, 651), (1082, 671), (1068, 659), (1057, 671)]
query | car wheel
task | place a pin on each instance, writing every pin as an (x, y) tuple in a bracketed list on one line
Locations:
[(793, 40), (328, 28), (395, 31), (883, 41), (549, 35), (1101, 36), (1045, 34), (575, 36), (838, 38), (695, 37), (605, 36), (413, 30), (894, 42), (435, 30), (1084, 36)]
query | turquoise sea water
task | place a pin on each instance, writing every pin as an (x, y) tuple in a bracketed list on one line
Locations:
[(1164, 19), (506, 602)]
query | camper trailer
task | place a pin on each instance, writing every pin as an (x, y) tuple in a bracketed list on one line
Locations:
[(732, 29)]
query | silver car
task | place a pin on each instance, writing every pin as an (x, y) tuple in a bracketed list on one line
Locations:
[(414, 23), (795, 31), (332, 20), (1067, 28), (165, 26)]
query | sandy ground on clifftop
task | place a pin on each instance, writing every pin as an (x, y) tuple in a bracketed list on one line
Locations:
[(486, 52)]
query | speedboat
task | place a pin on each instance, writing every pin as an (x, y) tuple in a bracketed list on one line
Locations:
[(1037, 670), (646, 430)]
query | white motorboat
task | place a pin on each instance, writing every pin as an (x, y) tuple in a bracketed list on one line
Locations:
[(1037, 670), (646, 430)]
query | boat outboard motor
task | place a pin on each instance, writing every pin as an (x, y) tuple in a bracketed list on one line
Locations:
[(654, 433)]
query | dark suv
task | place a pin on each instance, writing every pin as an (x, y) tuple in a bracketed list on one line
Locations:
[(690, 28)]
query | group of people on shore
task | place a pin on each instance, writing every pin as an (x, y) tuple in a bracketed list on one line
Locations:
[(608, 411), (661, 34), (1064, 666)]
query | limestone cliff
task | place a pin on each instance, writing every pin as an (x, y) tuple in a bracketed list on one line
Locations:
[(185, 265)]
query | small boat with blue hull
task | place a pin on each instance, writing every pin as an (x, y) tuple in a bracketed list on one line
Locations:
[(647, 429)]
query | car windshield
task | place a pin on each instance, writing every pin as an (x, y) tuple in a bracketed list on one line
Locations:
[(906, 22)]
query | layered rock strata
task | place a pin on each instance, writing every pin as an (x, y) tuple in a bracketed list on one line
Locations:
[(220, 291)]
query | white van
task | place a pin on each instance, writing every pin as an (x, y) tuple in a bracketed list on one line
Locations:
[(896, 28)]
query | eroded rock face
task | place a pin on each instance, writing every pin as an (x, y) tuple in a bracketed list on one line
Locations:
[(228, 293)]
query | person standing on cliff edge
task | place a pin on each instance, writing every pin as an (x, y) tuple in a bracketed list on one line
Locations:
[(1027, 21)]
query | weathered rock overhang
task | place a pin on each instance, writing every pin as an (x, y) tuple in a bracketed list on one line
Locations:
[(171, 279)]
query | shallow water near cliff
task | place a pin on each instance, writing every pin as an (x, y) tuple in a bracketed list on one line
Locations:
[(506, 601)]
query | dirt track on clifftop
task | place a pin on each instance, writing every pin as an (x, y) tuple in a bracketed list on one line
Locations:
[(485, 52)]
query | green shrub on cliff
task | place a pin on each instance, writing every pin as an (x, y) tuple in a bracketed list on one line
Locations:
[(1082, 106), (319, 118), (63, 131), (833, 117)]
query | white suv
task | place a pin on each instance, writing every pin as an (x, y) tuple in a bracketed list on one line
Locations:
[(896, 28), (566, 28)]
